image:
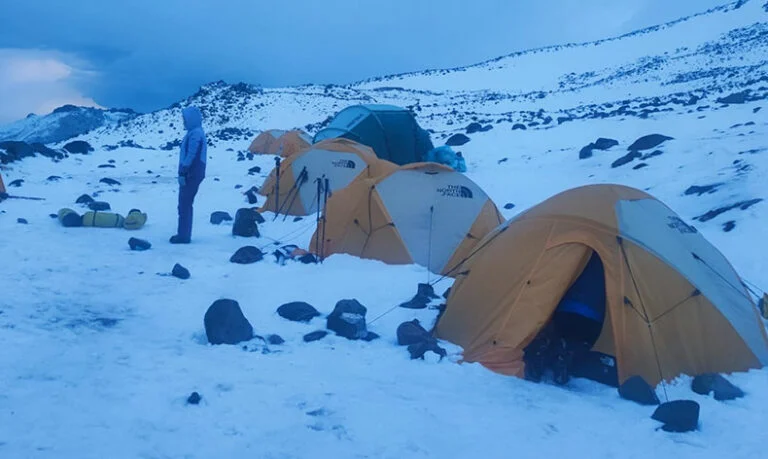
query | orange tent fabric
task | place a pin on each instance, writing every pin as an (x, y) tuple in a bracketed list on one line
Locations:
[(668, 290), (282, 143)]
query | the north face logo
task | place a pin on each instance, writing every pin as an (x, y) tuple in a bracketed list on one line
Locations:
[(678, 224), (345, 163), (455, 191)]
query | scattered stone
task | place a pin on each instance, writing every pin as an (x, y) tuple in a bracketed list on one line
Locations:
[(99, 206), (253, 195), (743, 205), (237, 187), (457, 140), (509, 205), (417, 350), (586, 152), (426, 290), (109, 181), (106, 166), (639, 391), (756, 109), (315, 336), (16, 183), (53, 178), (647, 142), (640, 166), (519, 126), (219, 216), (247, 255), (474, 127), (713, 382), (371, 336), (699, 190), (735, 98), (225, 323), (447, 293), (53, 215), (22, 221), (246, 223), (603, 143), (194, 399), (139, 244), (628, 158), (254, 170), (729, 226), (180, 272), (502, 160), (412, 332), (652, 154), (297, 219), (275, 339), (678, 415), (348, 319), (79, 147), (298, 311)]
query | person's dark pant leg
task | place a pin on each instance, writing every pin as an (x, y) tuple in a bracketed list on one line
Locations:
[(187, 195)]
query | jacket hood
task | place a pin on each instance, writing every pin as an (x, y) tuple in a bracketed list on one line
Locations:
[(193, 118)]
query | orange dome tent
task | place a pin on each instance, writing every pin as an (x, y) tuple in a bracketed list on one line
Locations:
[(282, 143)]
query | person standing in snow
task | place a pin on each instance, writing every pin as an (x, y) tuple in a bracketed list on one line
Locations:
[(192, 160)]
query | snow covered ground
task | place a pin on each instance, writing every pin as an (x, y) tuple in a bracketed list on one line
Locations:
[(100, 349)]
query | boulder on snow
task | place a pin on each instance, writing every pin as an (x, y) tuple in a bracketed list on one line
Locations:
[(138, 244), (254, 170), (417, 350), (253, 195), (519, 126), (180, 272), (315, 336), (194, 398), (647, 142), (424, 295), (298, 311), (735, 98), (246, 223), (275, 339), (99, 206), (348, 320), (628, 158), (84, 199), (474, 127), (16, 183), (247, 255), (225, 323), (219, 216), (509, 206), (79, 147), (713, 382), (603, 143), (411, 332), (22, 221), (109, 181), (53, 178), (14, 150), (639, 391), (457, 140), (678, 415)]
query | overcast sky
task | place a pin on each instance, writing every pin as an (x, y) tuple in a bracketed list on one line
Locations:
[(147, 54)]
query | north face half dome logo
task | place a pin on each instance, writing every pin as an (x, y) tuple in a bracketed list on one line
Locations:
[(678, 224), (344, 163), (455, 191)]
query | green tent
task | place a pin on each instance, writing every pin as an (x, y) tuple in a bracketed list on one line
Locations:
[(391, 131)]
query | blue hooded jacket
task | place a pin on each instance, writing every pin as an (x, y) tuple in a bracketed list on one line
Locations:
[(194, 147), (586, 297)]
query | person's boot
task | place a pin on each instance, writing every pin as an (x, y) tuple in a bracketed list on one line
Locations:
[(176, 239), (560, 366)]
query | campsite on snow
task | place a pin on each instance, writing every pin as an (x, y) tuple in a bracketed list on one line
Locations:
[(555, 252)]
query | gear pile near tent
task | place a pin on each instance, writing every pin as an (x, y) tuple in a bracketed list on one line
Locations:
[(422, 213), (391, 131), (279, 142), (341, 161), (674, 303)]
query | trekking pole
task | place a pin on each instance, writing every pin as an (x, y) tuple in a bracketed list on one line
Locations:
[(290, 197), (277, 185), (326, 189), (317, 231)]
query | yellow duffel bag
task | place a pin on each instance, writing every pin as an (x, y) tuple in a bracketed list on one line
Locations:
[(103, 219), (135, 220)]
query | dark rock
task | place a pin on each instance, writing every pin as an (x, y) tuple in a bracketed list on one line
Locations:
[(519, 126), (16, 183), (457, 140), (348, 319), (252, 195), (603, 143), (735, 98), (254, 170), (225, 323), (412, 332), (84, 199), (53, 178), (639, 391), (275, 339), (99, 206), (486, 128), (628, 158), (723, 389), (729, 226), (194, 398), (219, 216), (371, 336), (315, 336), (417, 302), (249, 156), (474, 127), (298, 311), (652, 154), (417, 350), (246, 223), (502, 160), (586, 152), (180, 272), (106, 166), (53, 215), (743, 205), (237, 187), (640, 166), (678, 416), (247, 255), (426, 290), (756, 109), (22, 221), (109, 181), (509, 205), (139, 244), (447, 293), (79, 147), (14, 151), (699, 190), (647, 142), (297, 219)]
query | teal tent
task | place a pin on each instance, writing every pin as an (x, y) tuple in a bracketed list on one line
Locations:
[(391, 131)]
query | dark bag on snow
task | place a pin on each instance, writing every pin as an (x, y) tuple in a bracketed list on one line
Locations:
[(246, 223)]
